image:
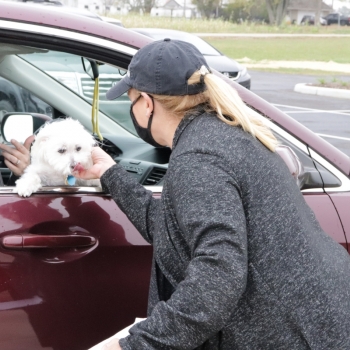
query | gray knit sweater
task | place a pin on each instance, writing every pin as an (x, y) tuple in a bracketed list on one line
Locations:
[(239, 260)]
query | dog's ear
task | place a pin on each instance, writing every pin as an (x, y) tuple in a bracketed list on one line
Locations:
[(38, 147)]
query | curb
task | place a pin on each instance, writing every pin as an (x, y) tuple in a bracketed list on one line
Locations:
[(322, 91)]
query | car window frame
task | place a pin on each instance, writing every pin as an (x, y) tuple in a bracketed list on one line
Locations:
[(72, 44)]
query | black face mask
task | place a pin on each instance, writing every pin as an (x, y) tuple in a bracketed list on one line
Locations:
[(144, 133)]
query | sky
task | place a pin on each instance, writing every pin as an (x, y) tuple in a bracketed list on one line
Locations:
[(338, 4)]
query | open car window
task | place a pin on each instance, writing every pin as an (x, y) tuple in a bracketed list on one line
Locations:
[(56, 84), (68, 70)]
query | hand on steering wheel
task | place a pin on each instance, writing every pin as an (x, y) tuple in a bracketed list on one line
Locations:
[(17, 159)]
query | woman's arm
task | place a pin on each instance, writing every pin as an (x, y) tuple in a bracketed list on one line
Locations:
[(132, 198)]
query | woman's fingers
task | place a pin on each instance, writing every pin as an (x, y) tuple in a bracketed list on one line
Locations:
[(28, 142), (17, 158), (101, 162)]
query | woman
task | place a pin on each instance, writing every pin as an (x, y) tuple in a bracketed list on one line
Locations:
[(239, 260)]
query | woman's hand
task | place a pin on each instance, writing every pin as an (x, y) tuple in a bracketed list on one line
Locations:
[(101, 162), (18, 158), (112, 345)]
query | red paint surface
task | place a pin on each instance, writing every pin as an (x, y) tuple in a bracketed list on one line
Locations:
[(342, 204), (327, 216), (70, 298), (49, 17)]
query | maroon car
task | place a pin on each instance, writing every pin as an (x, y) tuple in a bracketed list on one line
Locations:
[(73, 269)]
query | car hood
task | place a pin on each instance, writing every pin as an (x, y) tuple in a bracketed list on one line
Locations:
[(222, 63)]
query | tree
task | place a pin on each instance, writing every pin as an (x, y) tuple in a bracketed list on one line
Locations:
[(345, 11), (246, 10), (276, 10), (207, 7), (318, 12), (144, 5)]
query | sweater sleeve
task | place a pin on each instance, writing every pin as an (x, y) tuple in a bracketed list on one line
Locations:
[(132, 198), (210, 214)]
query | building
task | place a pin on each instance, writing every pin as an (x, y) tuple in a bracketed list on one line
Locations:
[(297, 9), (173, 8)]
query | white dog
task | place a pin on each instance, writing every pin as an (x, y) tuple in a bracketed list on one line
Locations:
[(60, 148)]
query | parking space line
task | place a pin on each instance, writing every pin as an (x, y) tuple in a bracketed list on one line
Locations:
[(294, 107), (334, 137), (312, 110), (316, 111)]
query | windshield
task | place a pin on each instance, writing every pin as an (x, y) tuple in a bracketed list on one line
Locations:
[(68, 70)]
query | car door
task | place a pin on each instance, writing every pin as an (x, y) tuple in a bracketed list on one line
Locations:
[(73, 269), (338, 195)]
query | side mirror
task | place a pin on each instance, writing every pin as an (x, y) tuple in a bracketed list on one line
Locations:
[(19, 126), (293, 163), (90, 68)]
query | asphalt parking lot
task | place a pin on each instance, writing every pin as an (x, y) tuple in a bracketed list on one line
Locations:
[(326, 116)]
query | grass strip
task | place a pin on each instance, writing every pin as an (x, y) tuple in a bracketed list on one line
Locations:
[(300, 71), (201, 25), (284, 49)]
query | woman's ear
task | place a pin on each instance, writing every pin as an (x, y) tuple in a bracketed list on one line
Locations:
[(149, 104)]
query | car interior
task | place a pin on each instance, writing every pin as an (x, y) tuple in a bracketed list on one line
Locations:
[(143, 161), (58, 86)]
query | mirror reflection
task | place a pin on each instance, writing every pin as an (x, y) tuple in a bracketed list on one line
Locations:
[(18, 127)]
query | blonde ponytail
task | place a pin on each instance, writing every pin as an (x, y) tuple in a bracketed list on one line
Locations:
[(225, 101), (232, 110)]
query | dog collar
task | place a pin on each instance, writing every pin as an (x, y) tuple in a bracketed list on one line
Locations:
[(70, 180)]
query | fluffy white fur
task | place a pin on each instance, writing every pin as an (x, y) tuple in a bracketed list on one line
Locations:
[(59, 148)]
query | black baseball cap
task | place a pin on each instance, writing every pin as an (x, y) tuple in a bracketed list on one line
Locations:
[(162, 68)]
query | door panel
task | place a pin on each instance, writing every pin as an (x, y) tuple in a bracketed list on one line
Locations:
[(70, 298), (342, 204), (327, 216)]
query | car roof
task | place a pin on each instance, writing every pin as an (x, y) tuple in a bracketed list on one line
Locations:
[(50, 17)]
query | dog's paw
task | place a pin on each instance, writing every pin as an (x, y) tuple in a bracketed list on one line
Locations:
[(25, 187)]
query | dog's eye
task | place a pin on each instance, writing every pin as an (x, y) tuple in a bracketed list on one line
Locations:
[(78, 149), (62, 150)]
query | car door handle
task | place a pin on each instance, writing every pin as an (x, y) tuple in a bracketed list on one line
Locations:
[(34, 241)]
